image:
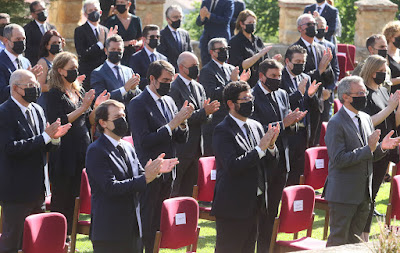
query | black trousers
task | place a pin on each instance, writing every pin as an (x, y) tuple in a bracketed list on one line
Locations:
[(131, 246), (297, 148), (14, 215), (186, 176)]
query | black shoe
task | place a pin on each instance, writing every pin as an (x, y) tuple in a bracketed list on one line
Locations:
[(376, 213)]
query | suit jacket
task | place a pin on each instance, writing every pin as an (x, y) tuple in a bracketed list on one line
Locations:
[(148, 129), (33, 39), (6, 69), (235, 194), (169, 46), (22, 156), (334, 65), (350, 159), (329, 13), (140, 62), (179, 93), (103, 78), (239, 6), (114, 191)]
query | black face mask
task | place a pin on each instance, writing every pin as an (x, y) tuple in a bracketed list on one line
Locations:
[(71, 75), (272, 84), (120, 127), (320, 33), (94, 16), (298, 68), (223, 55), (121, 8), (193, 72), (164, 89), (42, 16), (359, 103), (245, 109), (31, 94), (114, 57), (382, 52), (380, 77), (154, 43), (396, 42), (311, 31), (55, 49), (19, 47), (176, 24), (250, 28)]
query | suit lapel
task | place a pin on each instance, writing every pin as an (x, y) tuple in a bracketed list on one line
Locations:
[(39, 116), (153, 107), (218, 71), (21, 118), (187, 95), (115, 155), (239, 135), (145, 57), (90, 33), (109, 73), (133, 161), (350, 122)]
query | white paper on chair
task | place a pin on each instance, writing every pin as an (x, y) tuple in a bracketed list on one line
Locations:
[(213, 175), (319, 163), (298, 206), (180, 219)]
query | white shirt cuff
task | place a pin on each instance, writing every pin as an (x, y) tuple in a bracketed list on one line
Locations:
[(101, 46), (123, 91), (46, 138), (261, 153), (169, 129), (55, 141)]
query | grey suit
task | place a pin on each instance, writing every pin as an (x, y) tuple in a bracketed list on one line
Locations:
[(348, 186)]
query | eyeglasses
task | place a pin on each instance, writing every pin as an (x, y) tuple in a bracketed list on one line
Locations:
[(221, 49), (309, 24), (247, 99), (360, 93), (154, 36), (29, 85)]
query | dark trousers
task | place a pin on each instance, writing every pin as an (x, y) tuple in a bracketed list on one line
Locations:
[(14, 215), (327, 113), (151, 202), (131, 246), (205, 55), (297, 148), (186, 176), (346, 221)]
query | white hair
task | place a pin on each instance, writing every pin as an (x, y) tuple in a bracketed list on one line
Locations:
[(18, 75), (344, 85), (172, 8), (300, 18), (87, 2)]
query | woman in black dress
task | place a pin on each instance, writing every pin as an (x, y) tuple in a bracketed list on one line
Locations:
[(68, 101), (129, 28), (392, 34), (385, 117)]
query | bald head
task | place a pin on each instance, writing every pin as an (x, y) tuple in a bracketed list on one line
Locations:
[(185, 61), (22, 76)]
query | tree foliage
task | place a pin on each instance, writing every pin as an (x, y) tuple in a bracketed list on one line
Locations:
[(190, 25), (18, 10)]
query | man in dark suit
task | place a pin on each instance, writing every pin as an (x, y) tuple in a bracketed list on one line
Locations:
[(317, 66), (301, 95), (214, 76), (239, 6), (25, 139), (327, 11), (216, 16), (271, 105), (35, 29), (352, 146), (11, 58), (116, 178), (185, 88), (89, 41), (174, 40), (4, 21), (242, 162), (141, 60), (156, 127)]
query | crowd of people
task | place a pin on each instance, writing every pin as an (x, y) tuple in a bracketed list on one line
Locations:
[(256, 113)]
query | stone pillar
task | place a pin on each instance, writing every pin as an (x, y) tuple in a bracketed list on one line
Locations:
[(150, 12), (372, 16), (289, 11)]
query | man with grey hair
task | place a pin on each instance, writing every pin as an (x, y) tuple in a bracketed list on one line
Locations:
[(25, 138), (4, 21), (353, 146), (174, 40)]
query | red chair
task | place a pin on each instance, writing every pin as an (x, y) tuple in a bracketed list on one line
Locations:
[(45, 233), (128, 139), (82, 206), (204, 190), (350, 51), (336, 105), (342, 61), (393, 208), (322, 135), (296, 215), (315, 173), (178, 225)]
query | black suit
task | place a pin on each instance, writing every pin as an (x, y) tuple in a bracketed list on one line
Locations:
[(115, 213), (33, 38), (89, 53), (236, 204), (140, 62), (151, 137), (190, 152), (170, 47), (330, 14), (22, 161), (214, 81), (239, 6)]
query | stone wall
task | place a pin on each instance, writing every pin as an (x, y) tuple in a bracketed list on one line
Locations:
[(150, 11)]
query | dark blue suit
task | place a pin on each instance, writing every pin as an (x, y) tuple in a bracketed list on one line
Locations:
[(330, 13), (140, 62), (6, 69), (217, 26), (239, 6), (152, 138), (115, 201)]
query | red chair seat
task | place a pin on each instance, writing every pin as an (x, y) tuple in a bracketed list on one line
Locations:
[(305, 243), (84, 222), (205, 209), (319, 199)]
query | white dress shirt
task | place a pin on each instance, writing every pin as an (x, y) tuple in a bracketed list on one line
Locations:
[(112, 65), (158, 103), (313, 49), (94, 29), (13, 58)]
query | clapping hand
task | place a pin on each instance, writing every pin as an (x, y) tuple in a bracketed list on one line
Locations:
[(101, 98), (55, 130), (390, 143), (313, 87), (37, 70)]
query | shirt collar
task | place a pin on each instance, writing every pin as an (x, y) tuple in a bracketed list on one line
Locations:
[(113, 141), (92, 26), (149, 52), (239, 122), (152, 94), (291, 76), (10, 55), (350, 113), (219, 64), (307, 44), (262, 88), (322, 6), (319, 40), (39, 24), (186, 81), (21, 107), (111, 65), (172, 29)]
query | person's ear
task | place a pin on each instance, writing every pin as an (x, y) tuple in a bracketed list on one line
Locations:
[(103, 123)]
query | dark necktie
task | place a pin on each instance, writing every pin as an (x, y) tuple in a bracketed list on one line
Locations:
[(152, 57), (125, 157), (252, 142), (295, 82), (164, 110), (319, 10), (193, 90), (19, 66), (31, 122), (213, 5), (225, 75), (120, 81), (176, 35), (360, 128), (312, 55), (96, 33), (274, 105)]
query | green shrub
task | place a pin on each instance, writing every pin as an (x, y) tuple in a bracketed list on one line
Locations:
[(18, 10)]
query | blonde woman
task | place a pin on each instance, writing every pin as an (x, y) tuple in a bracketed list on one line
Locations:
[(392, 34)]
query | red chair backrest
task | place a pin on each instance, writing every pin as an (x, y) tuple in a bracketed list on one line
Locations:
[(179, 220), (395, 197), (204, 183), (45, 233), (342, 61), (85, 194), (316, 166), (350, 51), (296, 209), (336, 105), (322, 135), (128, 139)]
